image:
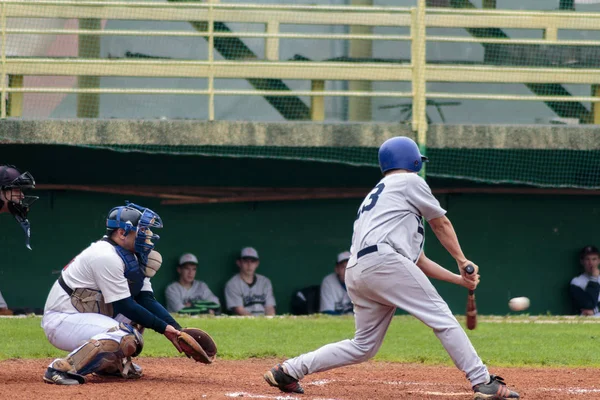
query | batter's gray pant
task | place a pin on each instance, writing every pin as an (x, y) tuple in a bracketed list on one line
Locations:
[(378, 284)]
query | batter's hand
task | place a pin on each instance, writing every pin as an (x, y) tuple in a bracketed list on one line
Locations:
[(470, 283), (474, 276), (171, 333)]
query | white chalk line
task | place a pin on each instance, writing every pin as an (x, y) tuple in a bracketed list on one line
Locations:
[(445, 394), (260, 396), (570, 390), (323, 382), (263, 396), (407, 383)]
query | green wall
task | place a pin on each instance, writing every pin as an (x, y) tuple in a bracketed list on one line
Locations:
[(525, 245), (297, 241)]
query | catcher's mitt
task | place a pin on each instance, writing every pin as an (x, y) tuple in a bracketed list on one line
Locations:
[(198, 345)]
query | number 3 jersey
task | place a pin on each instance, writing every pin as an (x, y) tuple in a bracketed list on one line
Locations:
[(391, 213)]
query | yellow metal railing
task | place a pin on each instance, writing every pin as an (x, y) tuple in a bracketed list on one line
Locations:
[(203, 15)]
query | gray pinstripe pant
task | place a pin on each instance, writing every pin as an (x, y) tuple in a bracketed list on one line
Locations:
[(378, 284)]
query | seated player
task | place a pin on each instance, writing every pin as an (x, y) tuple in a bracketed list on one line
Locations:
[(185, 293), (334, 295), (249, 293), (585, 288)]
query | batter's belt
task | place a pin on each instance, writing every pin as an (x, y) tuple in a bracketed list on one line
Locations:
[(367, 250), (381, 248)]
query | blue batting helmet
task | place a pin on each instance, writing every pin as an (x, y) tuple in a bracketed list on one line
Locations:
[(400, 152)]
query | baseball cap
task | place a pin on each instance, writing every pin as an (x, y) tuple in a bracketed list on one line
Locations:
[(343, 256), (588, 250), (249, 252), (188, 258)]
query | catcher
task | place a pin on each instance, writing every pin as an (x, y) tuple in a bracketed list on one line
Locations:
[(98, 295)]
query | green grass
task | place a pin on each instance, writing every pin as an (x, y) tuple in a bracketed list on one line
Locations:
[(567, 342)]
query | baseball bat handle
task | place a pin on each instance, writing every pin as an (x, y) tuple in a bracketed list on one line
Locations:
[(469, 269)]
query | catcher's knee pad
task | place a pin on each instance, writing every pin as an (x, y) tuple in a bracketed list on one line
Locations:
[(133, 342), (103, 353)]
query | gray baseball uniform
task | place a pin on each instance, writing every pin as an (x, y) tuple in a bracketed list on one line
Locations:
[(334, 296), (2, 302), (177, 295), (382, 276), (253, 297)]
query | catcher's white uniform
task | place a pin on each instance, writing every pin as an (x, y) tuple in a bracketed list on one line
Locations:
[(98, 267)]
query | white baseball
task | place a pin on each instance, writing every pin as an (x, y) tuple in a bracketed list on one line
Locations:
[(519, 303)]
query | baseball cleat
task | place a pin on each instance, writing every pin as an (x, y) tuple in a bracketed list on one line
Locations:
[(133, 372), (57, 377), (277, 377), (495, 389)]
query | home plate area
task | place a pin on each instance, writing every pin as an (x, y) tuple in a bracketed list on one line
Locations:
[(181, 378)]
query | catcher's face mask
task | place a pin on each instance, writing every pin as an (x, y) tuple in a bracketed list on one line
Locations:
[(18, 203), (145, 239)]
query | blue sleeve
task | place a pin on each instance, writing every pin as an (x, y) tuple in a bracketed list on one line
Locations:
[(331, 312), (147, 300), (135, 312)]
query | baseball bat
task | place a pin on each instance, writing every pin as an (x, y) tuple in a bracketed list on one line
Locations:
[(471, 305)]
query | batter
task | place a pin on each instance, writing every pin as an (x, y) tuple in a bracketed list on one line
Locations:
[(388, 269)]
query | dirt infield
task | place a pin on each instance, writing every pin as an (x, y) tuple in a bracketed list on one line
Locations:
[(181, 379)]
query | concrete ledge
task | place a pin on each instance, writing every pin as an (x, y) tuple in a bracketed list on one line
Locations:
[(535, 137), (99, 132)]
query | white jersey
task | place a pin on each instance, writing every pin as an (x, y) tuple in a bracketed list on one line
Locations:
[(98, 267), (334, 296), (254, 297), (178, 295), (392, 213)]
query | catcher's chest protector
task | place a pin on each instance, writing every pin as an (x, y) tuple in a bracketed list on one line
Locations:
[(133, 270)]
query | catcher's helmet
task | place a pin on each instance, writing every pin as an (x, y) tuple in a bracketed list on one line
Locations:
[(122, 217), (137, 219), (400, 152)]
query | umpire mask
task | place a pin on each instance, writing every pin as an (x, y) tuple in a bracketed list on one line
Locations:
[(13, 185)]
